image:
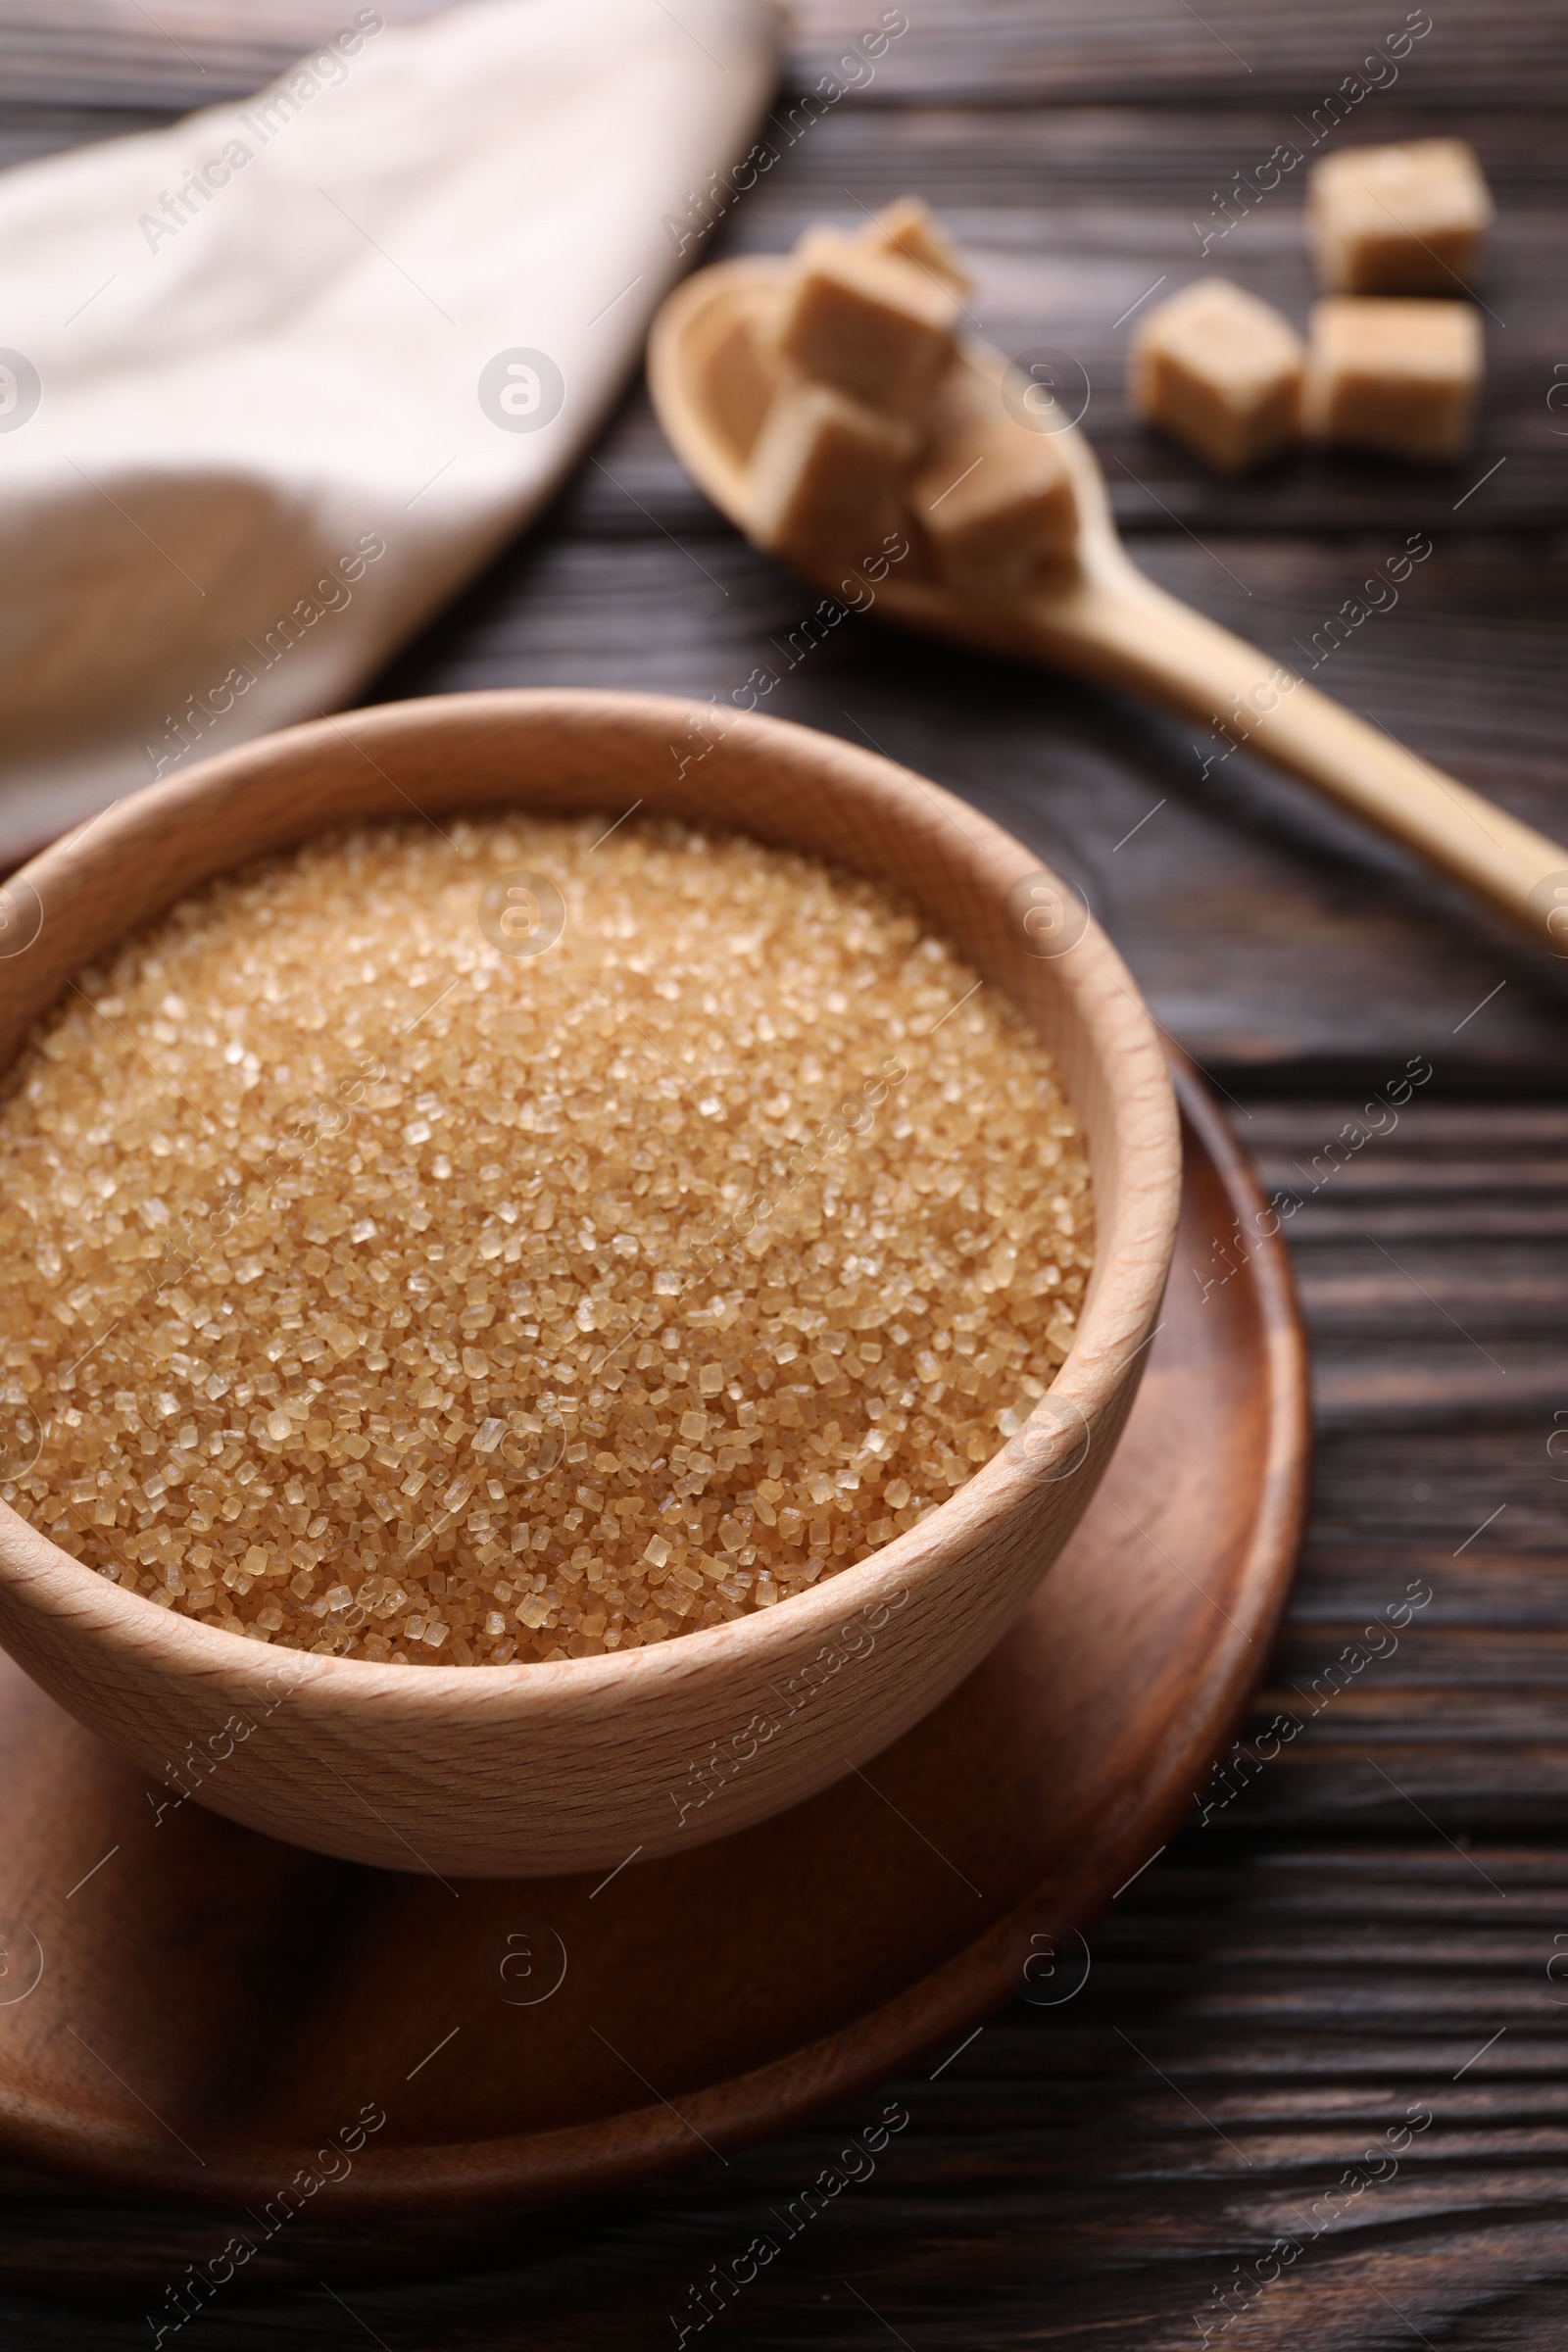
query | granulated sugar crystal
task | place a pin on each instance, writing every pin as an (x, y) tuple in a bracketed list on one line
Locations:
[(516, 1243)]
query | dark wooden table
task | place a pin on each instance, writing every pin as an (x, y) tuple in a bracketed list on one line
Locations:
[(1369, 1926)]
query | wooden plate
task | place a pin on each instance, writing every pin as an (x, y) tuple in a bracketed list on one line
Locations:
[(189, 2009)]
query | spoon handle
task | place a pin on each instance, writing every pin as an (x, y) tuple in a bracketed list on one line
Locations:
[(1130, 633)]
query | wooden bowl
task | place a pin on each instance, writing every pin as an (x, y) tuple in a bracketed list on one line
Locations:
[(581, 1764)]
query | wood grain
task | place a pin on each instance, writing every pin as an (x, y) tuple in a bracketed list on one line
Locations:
[(1040, 52), (1095, 615), (1264, 927)]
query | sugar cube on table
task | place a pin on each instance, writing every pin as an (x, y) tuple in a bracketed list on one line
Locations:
[(1221, 372), (1398, 376), (1404, 220), (993, 498), (876, 326), (904, 230), (826, 473)]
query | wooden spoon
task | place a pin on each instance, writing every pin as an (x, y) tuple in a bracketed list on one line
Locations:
[(1106, 620)]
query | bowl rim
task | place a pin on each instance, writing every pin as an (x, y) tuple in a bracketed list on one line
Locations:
[(1117, 1323)]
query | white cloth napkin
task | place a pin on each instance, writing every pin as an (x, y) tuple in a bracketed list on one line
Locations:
[(274, 381)]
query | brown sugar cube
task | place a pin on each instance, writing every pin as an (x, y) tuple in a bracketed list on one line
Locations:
[(1397, 219), (904, 230), (825, 474), (1221, 372), (878, 328), (1397, 376), (994, 500)]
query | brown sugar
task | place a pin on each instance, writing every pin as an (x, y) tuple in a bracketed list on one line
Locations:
[(869, 322), (1404, 220), (1401, 377), (993, 498), (906, 230), (1221, 372), (523, 1241), (826, 474)]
